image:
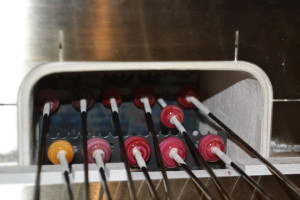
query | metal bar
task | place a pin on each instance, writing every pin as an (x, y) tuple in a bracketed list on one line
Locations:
[(85, 155), (252, 151), (70, 193), (158, 155), (150, 184), (104, 183), (217, 151), (199, 157), (196, 181), (116, 120), (251, 181), (41, 155)]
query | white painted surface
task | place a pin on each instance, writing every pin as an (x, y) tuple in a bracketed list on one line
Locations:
[(78, 173), (116, 171), (51, 174), (286, 165), (240, 108)]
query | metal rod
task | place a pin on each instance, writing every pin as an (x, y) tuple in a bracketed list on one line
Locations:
[(253, 152), (201, 107), (199, 157), (67, 179), (227, 160), (116, 120), (251, 181), (158, 155), (196, 181), (150, 184), (85, 155), (104, 183), (41, 154), (195, 152)]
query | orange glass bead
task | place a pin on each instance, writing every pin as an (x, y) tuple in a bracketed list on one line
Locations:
[(56, 147)]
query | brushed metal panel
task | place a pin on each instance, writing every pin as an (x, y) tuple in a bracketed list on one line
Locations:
[(144, 30), (181, 188)]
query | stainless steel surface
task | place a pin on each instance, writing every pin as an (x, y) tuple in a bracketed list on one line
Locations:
[(121, 30), (181, 188)]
